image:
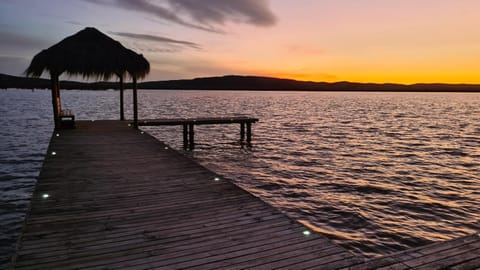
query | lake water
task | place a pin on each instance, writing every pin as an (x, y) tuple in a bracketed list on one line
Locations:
[(376, 172)]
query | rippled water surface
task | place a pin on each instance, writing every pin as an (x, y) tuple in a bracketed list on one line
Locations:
[(377, 172)]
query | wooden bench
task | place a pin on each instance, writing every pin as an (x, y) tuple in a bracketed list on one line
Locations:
[(67, 119)]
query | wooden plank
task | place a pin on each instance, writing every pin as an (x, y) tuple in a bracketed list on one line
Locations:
[(441, 255), (197, 121), (120, 199)]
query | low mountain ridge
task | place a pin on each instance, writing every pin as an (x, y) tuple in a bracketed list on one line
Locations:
[(236, 82)]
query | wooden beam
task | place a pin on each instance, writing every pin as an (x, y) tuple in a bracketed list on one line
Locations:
[(242, 132), (185, 136), (191, 135), (122, 115), (55, 98), (135, 103), (249, 132)]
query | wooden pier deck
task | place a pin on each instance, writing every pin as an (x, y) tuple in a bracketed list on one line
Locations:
[(112, 197), (458, 254)]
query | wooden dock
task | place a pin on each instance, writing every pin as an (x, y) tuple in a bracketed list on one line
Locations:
[(189, 124), (458, 254), (112, 197)]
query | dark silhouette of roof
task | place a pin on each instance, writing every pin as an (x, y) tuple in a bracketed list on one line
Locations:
[(89, 53)]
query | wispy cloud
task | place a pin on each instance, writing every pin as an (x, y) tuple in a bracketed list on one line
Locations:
[(157, 39), (74, 23), (255, 12), (206, 15)]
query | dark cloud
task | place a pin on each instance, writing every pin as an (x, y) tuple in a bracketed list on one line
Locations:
[(157, 39), (207, 14), (147, 7)]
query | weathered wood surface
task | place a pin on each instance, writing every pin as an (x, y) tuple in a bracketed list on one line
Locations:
[(459, 254), (119, 199), (189, 123), (197, 121)]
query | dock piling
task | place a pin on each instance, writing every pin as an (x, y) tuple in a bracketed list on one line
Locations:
[(249, 133), (185, 136), (191, 134), (242, 132), (189, 123)]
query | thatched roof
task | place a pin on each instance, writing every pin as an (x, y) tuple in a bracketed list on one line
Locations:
[(89, 53)]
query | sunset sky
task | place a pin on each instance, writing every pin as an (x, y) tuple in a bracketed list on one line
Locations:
[(405, 41)]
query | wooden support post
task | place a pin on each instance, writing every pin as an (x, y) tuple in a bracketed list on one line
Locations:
[(185, 136), (122, 115), (191, 134), (135, 103), (55, 99), (242, 132), (249, 132)]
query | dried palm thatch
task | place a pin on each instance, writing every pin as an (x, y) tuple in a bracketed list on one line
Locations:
[(91, 54)]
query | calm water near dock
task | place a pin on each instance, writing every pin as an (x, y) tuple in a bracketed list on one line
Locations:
[(377, 172)]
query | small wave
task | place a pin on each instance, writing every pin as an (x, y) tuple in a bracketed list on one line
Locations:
[(370, 189), (453, 152), (271, 186)]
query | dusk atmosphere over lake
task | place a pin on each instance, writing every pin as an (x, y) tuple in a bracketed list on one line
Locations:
[(321, 40), (240, 134)]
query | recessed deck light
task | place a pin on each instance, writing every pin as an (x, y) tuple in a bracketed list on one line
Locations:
[(54, 153), (45, 196), (306, 233)]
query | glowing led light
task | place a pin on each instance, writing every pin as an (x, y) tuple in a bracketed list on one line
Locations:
[(306, 232), (142, 132), (129, 125), (45, 196), (58, 135), (216, 178), (54, 153), (166, 148)]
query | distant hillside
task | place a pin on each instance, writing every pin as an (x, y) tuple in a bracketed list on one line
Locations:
[(233, 82)]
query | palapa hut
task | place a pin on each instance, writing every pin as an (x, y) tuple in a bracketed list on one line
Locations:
[(91, 54)]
